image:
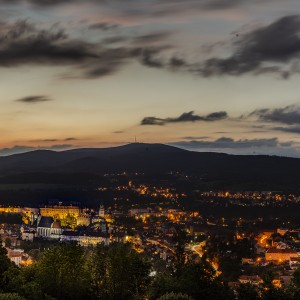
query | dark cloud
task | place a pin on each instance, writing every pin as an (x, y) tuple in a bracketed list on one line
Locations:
[(264, 146), (265, 50), (43, 2), (177, 7), (46, 140), (105, 26), (23, 43), (168, 5), (287, 115), (176, 62), (115, 40), (271, 49), (229, 143), (34, 99), (148, 59), (69, 139), (111, 60), (192, 138), (291, 129), (159, 7), (185, 117), (151, 38)]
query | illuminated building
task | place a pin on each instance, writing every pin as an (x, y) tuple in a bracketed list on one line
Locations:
[(12, 210), (282, 231), (28, 235), (101, 215), (15, 255), (252, 279), (85, 238), (102, 211), (119, 237), (44, 226), (139, 211), (60, 212), (94, 238), (280, 255), (83, 221), (47, 228)]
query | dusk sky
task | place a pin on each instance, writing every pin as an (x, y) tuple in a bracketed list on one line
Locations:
[(205, 75)]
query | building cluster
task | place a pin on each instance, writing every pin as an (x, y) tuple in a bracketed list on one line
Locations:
[(70, 223), (153, 230), (252, 198), (277, 250), (11, 243)]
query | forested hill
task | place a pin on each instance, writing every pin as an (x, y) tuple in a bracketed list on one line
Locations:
[(155, 159)]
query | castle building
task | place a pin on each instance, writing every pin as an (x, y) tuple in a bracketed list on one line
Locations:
[(60, 212)]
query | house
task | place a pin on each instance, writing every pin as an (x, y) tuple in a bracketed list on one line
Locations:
[(294, 263), (119, 237), (28, 235), (94, 238), (15, 255), (249, 261), (250, 279), (139, 212), (285, 280), (282, 231), (280, 255), (69, 236), (85, 238), (83, 220)]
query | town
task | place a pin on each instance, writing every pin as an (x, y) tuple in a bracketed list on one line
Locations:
[(241, 249)]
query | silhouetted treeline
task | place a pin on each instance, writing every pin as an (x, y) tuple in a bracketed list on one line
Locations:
[(69, 272)]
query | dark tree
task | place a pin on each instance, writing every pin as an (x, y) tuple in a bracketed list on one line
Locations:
[(61, 273), (247, 292), (117, 272)]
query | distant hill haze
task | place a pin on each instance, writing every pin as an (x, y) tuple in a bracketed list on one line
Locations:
[(157, 158)]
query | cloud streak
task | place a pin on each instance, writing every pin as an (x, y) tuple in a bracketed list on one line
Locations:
[(289, 115), (185, 117), (33, 99), (292, 129), (68, 139), (159, 7), (263, 146), (230, 143), (105, 26)]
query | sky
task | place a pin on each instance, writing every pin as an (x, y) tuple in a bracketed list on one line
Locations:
[(203, 75)]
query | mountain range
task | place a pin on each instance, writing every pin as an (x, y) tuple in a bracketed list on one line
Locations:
[(156, 159)]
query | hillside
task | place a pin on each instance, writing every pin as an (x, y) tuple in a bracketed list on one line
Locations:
[(154, 159)]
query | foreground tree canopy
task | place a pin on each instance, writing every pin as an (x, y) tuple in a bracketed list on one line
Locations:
[(67, 271)]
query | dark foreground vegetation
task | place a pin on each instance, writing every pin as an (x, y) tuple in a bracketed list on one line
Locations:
[(67, 271)]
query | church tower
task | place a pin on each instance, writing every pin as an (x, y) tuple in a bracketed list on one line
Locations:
[(102, 211)]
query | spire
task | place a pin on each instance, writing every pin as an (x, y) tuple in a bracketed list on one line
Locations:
[(101, 211)]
